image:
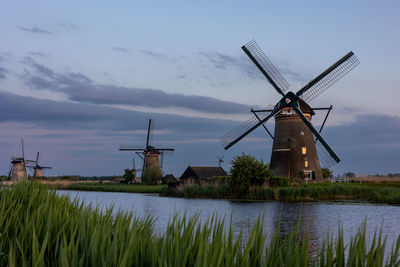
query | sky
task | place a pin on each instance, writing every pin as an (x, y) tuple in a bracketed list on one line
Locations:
[(79, 79)]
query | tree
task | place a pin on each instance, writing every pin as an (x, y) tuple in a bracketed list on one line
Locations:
[(349, 174), (246, 171), (152, 175), (326, 173), (128, 176)]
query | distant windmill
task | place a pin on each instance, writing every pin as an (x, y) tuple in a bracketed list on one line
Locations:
[(149, 154), (17, 170), (37, 169), (296, 141)]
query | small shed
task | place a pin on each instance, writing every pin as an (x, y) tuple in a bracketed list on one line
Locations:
[(201, 175)]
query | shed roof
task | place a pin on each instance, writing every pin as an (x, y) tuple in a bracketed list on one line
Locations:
[(204, 172)]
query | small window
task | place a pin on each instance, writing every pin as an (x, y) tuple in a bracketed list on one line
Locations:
[(303, 150), (306, 163)]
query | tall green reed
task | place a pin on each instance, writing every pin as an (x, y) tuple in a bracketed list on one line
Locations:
[(40, 228)]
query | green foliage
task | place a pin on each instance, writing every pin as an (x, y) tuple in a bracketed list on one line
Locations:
[(247, 171), (278, 181), (349, 174), (261, 193), (40, 228), (152, 175), (128, 176), (326, 173)]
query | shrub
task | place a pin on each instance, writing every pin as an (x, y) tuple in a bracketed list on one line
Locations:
[(326, 173), (278, 181), (128, 176), (152, 175), (247, 171)]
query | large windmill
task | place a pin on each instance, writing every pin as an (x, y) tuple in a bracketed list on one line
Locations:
[(149, 154), (17, 170), (37, 169), (298, 148)]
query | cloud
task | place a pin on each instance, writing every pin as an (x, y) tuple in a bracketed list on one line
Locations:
[(57, 114), (153, 54), (368, 130), (80, 88), (35, 29), (37, 53), (3, 71), (246, 66), (120, 49), (68, 26), (223, 62)]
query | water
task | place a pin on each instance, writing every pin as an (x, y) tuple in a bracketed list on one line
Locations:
[(318, 218)]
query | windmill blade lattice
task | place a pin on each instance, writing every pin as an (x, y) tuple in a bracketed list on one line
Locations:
[(244, 127), (265, 66), (326, 80), (325, 158)]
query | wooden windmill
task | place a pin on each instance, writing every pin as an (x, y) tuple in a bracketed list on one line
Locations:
[(37, 169), (149, 154), (17, 170), (298, 150)]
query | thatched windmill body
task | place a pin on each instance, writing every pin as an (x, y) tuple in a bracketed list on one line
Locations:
[(150, 155), (17, 170), (298, 149), (37, 169)]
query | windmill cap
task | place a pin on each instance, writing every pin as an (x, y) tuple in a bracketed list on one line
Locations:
[(305, 108)]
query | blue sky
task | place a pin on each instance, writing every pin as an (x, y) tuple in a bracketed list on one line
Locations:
[(79, 79)]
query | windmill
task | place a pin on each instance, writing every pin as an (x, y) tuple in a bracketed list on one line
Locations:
[(298, 150), (17, 170), (149, 154), (37, 169)]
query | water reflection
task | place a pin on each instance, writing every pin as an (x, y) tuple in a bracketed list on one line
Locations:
[(316, 218)]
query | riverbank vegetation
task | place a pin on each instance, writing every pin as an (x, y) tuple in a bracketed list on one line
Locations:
[(109, 187), (364, 192), (40, 228), (250, 179)]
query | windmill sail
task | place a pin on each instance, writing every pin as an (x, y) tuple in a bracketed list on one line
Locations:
[(325, 158), (328, 77), (262, 62), (243, 129)]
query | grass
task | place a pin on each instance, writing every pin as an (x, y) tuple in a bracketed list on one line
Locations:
[(107, 187), (40, 228), (378, 193)]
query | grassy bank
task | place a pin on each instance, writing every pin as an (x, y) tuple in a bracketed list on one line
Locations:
[(107, 187), (379, 193), (40, 228)]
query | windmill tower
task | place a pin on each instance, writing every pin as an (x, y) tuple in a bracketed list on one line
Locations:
[(298, 150), (37, 169), (18, 167), (149, 154)]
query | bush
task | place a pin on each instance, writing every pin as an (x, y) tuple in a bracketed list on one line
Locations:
[(152, 175), (247, 171), (128, 176), (278, 181), (326, 173)]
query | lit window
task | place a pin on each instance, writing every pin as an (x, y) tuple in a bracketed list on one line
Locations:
[(303, 150), (306, 163)]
